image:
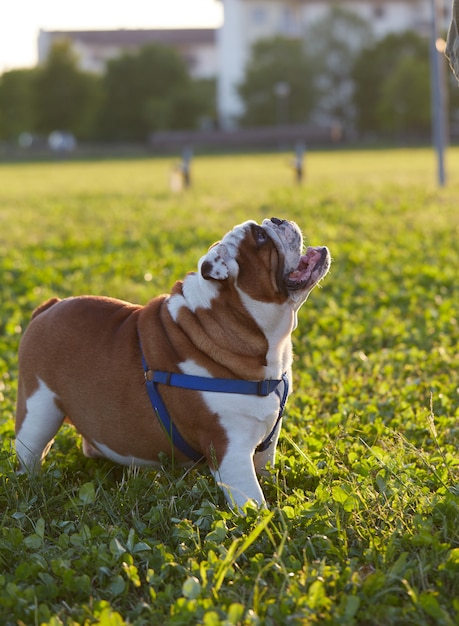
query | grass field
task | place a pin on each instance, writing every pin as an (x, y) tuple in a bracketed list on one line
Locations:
[(363, 524)]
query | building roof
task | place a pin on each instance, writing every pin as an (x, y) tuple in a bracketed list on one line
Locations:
[(341, 2), (128, 38)]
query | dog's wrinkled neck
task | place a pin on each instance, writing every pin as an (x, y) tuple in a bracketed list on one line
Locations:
[(224, 333)]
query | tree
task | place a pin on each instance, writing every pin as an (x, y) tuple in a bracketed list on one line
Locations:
[(65, 98), (16, 110), (380, 70), (148, 91), (278, 86), (405, 98), (335, 42)]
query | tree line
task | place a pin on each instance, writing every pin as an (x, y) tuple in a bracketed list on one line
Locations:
[(138, 93), (337, 73), (340, 73)]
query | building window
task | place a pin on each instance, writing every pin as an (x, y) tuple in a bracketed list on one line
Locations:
[(258, 15), (289, 24)]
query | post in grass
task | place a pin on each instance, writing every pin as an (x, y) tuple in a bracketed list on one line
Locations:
[(181, 173), (298, 166)]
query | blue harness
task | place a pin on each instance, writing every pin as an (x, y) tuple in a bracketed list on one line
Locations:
[(200, 383)]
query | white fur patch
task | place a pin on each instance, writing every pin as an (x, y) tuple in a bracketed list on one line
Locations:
[(121, 459), (277, 322), (43, 420), (197, 293), (236, 474), (222, 256), (218, 261)]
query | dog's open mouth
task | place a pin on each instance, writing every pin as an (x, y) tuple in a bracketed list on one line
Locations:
[(311, 269)]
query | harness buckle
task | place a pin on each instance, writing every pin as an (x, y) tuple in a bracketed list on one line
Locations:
[(263, 388), (163, 378)]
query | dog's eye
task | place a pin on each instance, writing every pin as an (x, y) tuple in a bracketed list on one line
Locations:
[(260, 236)]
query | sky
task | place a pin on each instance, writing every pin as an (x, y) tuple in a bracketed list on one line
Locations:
[(21, 20)]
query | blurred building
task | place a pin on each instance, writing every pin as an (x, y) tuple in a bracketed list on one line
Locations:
[(223, 52), (246, 21), (94, 48)]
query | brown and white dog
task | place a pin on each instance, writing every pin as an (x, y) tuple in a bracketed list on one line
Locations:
[(81, 359)]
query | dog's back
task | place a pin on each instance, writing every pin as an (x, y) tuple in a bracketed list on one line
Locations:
[(44, 307)]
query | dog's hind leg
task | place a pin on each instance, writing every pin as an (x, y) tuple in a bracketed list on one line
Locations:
[(91, 451), (38, 419)]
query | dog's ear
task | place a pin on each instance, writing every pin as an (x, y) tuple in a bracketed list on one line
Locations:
[(214, 263)]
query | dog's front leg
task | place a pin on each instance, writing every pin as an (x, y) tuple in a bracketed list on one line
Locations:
[(267, 456), (236, 476)]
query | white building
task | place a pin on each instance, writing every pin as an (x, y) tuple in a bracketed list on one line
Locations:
[(246, 21)]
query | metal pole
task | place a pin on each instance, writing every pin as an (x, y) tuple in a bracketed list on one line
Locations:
[(438, 99)]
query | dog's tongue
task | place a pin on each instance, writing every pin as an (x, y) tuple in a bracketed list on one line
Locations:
[(308, 263), (300, 273)]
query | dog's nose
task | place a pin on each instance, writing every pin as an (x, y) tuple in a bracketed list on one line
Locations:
[(277, 221)]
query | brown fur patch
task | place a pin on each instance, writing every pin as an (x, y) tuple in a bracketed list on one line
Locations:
[(266, 284)]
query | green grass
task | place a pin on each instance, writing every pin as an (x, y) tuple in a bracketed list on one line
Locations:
[(364, 500)]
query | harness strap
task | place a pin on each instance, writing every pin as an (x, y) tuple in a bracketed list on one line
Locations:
[(201, 383), (221, 385), (165, 420), (264, 445)]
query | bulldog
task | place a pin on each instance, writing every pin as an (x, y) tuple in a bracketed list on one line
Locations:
[(200, 373)]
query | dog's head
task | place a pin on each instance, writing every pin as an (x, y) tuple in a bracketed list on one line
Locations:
[(266, 262)]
